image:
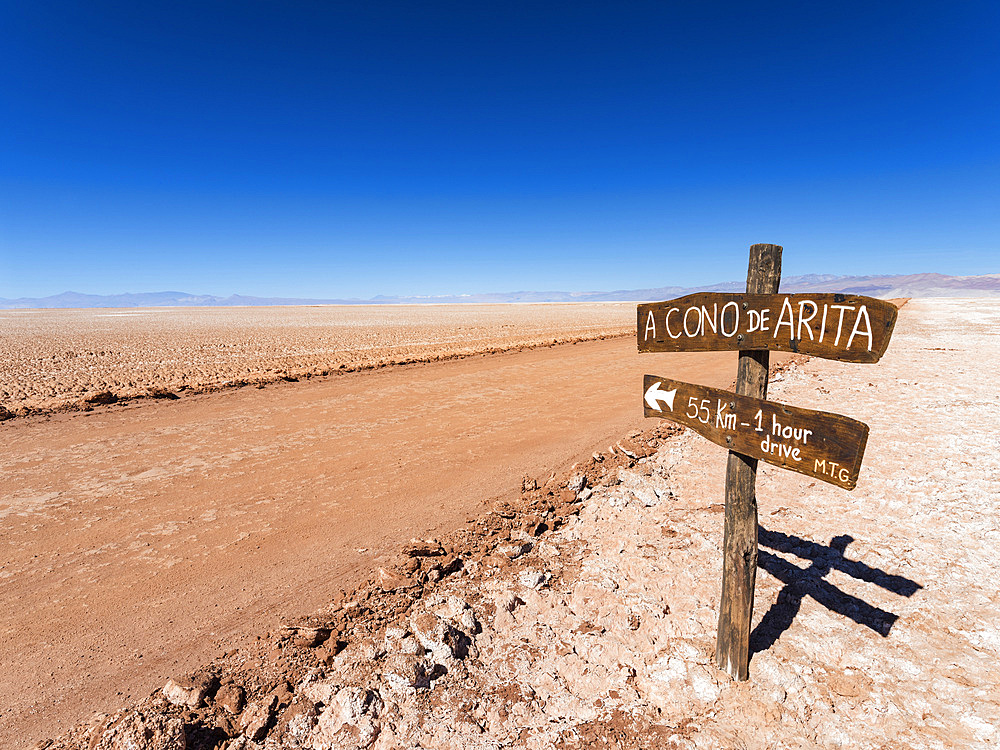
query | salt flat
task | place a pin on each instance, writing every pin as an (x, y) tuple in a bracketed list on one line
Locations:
[(54, 359)]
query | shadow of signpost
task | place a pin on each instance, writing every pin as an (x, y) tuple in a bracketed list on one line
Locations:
[(800, 583)]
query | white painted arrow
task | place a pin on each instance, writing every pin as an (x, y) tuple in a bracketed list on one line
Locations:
[(654, 395)]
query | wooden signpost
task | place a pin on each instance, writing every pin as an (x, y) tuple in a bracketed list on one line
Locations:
[(826, 446), (822, 445), (833, 326)]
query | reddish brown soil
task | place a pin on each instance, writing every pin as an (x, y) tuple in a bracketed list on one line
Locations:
[(143, 539)]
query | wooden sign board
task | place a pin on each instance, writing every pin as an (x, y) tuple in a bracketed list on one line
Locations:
[(832, 326), (819, 444)]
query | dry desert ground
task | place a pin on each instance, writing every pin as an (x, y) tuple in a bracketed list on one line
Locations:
[(146, 536), (59, 359), (528, 597)]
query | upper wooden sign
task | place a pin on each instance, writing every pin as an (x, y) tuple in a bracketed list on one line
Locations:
[(822, 445), (833, 326)]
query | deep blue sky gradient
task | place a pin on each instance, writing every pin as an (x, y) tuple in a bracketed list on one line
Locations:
[(351, 149)]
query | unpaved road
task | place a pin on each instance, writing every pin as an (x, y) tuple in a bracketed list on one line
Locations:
[(140, 540)]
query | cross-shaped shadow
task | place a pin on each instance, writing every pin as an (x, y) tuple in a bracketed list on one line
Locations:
[(801, 583)]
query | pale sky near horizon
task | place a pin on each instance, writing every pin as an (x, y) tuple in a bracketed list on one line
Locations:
[(314, 149)]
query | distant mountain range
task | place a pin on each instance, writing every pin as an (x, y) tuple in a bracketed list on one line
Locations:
[(912, 285)]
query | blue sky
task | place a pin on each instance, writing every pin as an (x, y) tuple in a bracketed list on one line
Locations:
[(334, 149)]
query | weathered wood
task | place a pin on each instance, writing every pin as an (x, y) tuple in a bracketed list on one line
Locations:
[(739, 545), (833, 326), (826, 446)]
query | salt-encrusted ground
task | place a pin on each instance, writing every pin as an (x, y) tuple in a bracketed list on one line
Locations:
[(55, 360), (875, 616)]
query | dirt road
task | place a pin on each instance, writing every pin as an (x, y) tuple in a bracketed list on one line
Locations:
[(140, 540)]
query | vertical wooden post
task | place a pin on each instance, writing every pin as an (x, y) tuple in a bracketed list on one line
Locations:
[(739, 551)]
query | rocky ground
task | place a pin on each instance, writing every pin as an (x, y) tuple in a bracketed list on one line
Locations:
[(584, 615), (54, 360)]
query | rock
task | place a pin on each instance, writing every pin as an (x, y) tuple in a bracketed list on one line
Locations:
[(532, 524), (583, 494), (318, 691), (353, 711), (514, 551), (627, 451), (231, 697), (309, 632), (507, 601), (311, 637), (432, 633), (367, 649), (451, 564), (256, 717), (283, 692), (137, 731), (326, 653), (505, 510), (389, 581), (420, 548), (400, 641), (470, 568), (190, 694), (528, 484), (577, 483), (531, 579), (458, 612), (296, 724), (393, 634), (441, 637), (635, 449), (406, 673), (5, 414), (468, 623)]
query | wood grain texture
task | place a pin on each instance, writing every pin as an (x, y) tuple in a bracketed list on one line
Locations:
[(844, 327), (739, 545), (829, 447)]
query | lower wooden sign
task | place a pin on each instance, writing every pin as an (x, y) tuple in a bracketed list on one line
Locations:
[(822, 445)]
